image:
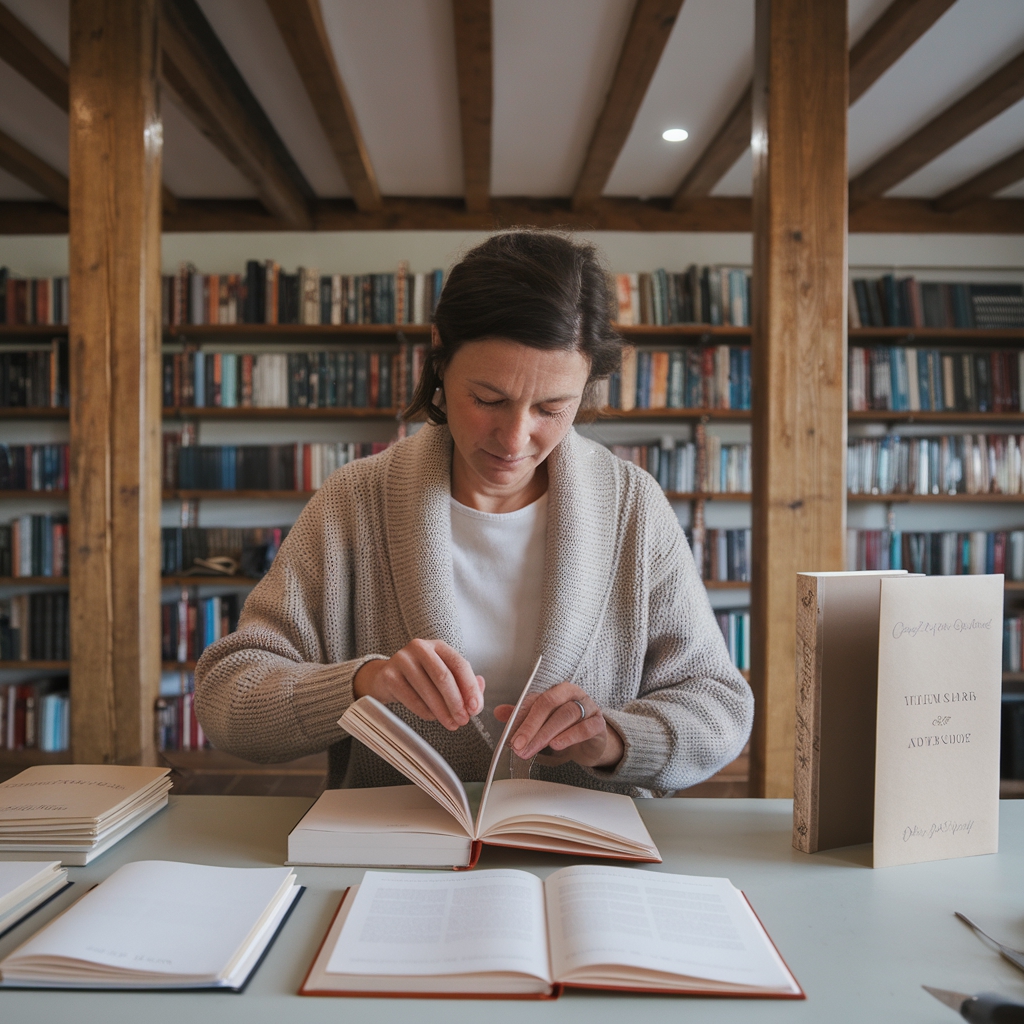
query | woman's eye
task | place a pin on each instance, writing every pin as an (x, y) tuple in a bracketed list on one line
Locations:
[(480, 401)]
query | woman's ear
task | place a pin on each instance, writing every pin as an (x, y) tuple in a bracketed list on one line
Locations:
[(435, 336)]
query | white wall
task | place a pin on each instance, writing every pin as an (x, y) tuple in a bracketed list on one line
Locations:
[(374, 251)]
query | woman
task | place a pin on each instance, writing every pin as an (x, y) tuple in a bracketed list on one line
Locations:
[(432, 575)]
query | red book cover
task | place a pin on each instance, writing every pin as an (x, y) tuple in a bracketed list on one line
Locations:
[(374, 382)]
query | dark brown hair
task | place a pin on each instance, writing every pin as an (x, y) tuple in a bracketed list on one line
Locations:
[(541, 288)]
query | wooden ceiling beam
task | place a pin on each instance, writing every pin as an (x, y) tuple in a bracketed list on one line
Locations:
[(33, 59), (32, 171), (38, 64), (984, 184), (900, 26), (474, 59), (302, 28), (217, 100), (998, 92), (648, 32), (896, 216)]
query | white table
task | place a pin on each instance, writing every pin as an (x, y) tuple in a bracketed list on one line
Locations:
[(861, 942)]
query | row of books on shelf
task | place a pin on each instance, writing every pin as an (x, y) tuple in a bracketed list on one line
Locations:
[(35, 716), (177, 727), (274, 467), (32, 300), (687, 377), (190, 624), (698, 295), (356, 379), (938, 552), (889, 301), (735, 627), (266, 294), (207, 551), (1013, 643), (35, 377), (721, 555), (679, 467), (1011, 747), (905, 379), (950, 464), (34, 545), (34, 627), (34, 467)]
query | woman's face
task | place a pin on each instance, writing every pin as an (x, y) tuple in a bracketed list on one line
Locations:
[(508, 405)]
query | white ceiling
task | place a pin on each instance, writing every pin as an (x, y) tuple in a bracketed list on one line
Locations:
[(553, 62)]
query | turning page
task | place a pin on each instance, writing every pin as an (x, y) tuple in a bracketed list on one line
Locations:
[(404, 924), (613, 927)]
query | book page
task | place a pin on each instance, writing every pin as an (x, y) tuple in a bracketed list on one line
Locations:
[(160, 917), (939, 692), (402, 809), (428, 924), (560, 811), (403, 748), (686, 925)]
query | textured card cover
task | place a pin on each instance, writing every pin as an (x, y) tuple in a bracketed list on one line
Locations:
[(937, 740)]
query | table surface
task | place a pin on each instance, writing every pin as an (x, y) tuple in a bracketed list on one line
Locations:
[(860, 941)]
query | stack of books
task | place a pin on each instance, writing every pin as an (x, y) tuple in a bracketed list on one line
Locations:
[(35, 627), (189, 625), (698, 295), (76, 812), (26, 886), (177, 727)]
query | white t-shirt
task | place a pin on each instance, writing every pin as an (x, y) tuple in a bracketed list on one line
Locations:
[(498, 560)]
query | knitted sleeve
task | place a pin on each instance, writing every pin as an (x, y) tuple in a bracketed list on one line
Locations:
[(269, 691), (693, 711)]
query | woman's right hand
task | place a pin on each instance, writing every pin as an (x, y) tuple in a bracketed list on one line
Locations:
[(431, 679)]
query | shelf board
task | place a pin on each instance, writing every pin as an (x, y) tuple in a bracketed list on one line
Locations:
[(1013, 677), (1011, 789), (936, 333), (726, 584), (207, 581), (277, 413), (178, 666), (28, 756), (48, 666), (20, 412), (186, 495), (293, 330), (24, 330), (33, 581), (682, 330), (889, 416), (933, 499), (735, 415), (707, 495), (53, 495)]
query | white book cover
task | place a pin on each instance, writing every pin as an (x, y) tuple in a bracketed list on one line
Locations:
[(937, 739)]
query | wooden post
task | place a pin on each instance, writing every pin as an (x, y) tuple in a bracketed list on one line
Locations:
[(799, 345), (114, 506)]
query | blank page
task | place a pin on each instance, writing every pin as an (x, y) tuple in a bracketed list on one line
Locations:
[(161, 917), (425, 924)]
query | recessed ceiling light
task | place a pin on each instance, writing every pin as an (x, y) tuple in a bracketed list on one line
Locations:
[(675, 135)]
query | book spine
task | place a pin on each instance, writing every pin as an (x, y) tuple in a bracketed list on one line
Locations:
[(806, 762)]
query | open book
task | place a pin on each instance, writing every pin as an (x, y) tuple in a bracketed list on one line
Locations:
[(159, 924), (400, 826), (511, 934)]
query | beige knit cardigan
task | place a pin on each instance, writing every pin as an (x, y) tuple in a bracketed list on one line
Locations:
[(367, 568)]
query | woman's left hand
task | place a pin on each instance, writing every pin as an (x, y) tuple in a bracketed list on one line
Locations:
[(556, 720)]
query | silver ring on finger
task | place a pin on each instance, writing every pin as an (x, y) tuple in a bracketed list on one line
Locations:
[(583, 710)]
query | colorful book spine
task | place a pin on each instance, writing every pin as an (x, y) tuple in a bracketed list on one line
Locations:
[(938, 552)]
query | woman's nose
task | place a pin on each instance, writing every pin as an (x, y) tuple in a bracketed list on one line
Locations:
[(514, 433)]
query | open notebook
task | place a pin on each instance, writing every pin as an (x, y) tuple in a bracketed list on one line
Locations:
[(434, 825), (506, 934), (158, 925)]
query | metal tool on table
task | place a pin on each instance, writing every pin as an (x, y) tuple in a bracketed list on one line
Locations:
[(1014, 956), (984, 1008)]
